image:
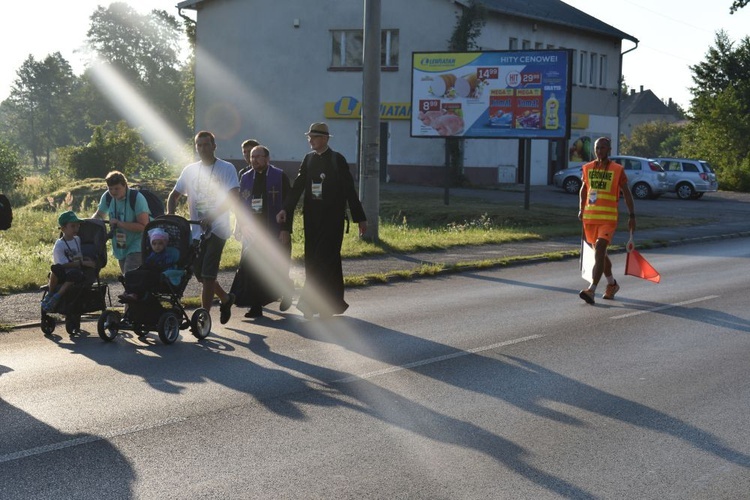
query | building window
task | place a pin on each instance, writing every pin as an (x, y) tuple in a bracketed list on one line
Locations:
[(526, 45), (550, 46), (539, 45), (347, 49), (603, 71), (583, 66), (512, 43), (593, 67), (389, 48)]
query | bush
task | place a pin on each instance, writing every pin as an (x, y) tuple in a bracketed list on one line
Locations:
[(10, 168), (735, 177), (120, 148)]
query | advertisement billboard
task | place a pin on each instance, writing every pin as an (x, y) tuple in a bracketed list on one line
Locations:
[(523, 94)]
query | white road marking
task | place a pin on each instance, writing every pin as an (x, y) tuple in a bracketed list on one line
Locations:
[(423, 362), (668, 306), (39, 450)]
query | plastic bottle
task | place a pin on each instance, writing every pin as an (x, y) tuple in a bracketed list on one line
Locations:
[(551, 120)]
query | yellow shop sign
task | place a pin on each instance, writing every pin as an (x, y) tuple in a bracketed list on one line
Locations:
[(350, 108), (579, 121)]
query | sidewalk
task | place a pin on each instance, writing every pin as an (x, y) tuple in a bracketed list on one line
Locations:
[(23, 309)]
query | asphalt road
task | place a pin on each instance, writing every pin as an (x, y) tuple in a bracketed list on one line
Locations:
[(493, 384)]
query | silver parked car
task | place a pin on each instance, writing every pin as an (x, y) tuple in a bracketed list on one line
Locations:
[(646, 178), (689, 179)]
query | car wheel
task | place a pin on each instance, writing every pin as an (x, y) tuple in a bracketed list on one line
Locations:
[(200, 324), (641, 191), (168, 327), (108, 325), (685, 191), (572, 185)]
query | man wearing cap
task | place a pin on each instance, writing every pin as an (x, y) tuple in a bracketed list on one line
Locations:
[(328, 187), (211, 187)]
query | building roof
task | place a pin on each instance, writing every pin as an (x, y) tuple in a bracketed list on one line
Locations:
[(553, 12), (644, 102)]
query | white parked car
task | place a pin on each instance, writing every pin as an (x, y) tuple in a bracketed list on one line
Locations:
[(646, 178), (689, 179)]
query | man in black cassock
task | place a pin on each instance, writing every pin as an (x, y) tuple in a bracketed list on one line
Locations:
[(328, 186), (263, 274)]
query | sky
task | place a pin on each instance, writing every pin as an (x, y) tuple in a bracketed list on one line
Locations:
[(673, 35)]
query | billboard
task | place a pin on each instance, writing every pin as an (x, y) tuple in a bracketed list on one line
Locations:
[(522, 94)]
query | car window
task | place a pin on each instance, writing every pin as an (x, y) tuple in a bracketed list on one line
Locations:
[(672, 166), (621, 161), (706, 167), (689, 167), (634, 164), (655, 166)]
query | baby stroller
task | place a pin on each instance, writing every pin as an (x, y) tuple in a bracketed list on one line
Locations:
[(160, 309), (86, 297)]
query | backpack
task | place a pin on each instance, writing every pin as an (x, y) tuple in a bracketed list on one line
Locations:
[(6, 213), (155, 205)]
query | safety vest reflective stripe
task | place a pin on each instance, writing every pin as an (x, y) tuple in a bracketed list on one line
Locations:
[(608, 197), (590, 216), (600, 208)]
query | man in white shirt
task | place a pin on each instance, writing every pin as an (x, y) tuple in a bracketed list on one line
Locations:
[(212, 188)]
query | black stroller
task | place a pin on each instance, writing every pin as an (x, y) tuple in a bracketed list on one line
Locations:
[(160, 309), (89, 296)]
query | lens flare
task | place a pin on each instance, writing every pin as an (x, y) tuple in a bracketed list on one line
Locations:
[(139, 113)]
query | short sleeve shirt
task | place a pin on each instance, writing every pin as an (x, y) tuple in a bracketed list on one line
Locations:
[(66, 251), (121, 210), (207, 186)]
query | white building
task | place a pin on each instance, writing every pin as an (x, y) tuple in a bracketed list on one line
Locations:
[(266, 69)]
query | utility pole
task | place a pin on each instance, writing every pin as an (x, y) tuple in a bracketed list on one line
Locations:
[(369, 168)]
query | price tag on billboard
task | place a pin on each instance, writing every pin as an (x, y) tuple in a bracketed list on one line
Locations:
[(488, 73), (426, 105)]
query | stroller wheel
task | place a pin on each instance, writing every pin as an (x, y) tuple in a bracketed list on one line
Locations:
[(108, 325), (72, 324), (168, 327), (200, 324), (48, 324)]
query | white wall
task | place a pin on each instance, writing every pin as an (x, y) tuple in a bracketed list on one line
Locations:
[(258, 76)]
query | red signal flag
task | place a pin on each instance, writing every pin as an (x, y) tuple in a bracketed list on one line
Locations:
[(637, 266)]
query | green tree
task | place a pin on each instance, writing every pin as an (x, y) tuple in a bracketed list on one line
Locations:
[(651, 139), (117, 147), (469, 24), (38, 112), (720, 128), (145, 50), (10, 167)]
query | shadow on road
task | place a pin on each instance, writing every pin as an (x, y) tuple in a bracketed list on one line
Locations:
[(296, 384), (38, 461)]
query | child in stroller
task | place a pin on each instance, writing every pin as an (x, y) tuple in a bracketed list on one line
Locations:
[(69, 263), (74, 287), (153, 294), (162, 258)]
